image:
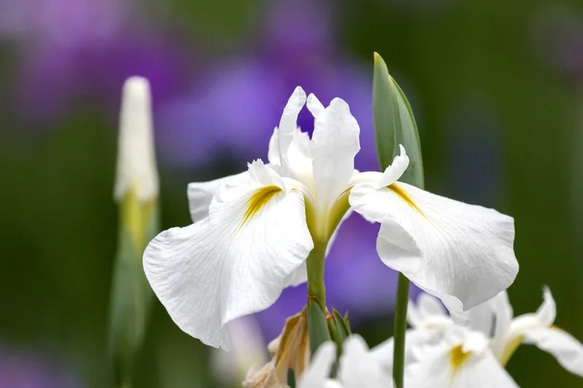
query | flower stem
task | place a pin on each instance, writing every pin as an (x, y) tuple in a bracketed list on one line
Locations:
[(315, 268), (318, 331), (399, 330)]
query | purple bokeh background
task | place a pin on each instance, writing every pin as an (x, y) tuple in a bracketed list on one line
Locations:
[(207, 108), (234, 107), (20, 369), (235, 111)]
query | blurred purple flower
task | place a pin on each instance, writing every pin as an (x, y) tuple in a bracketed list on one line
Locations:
[(195, 130), (83, 50), (23, 370), (61, 22), (228, 111), (233, 114), (50, 82), (254, 87)]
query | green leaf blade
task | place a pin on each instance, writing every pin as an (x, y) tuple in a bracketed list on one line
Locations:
[(342, 325), (395, 124), (317, 325), (386, 113)]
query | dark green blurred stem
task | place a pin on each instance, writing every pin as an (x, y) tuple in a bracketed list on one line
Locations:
[(400, 329), (315, 268)]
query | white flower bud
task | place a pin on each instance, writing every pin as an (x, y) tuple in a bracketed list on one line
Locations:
[(136, 161)]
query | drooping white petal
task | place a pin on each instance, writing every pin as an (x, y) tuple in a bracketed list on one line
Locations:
[(200, 194), (359, 368), (564, 347), (465, 361), (461, 253), (316, 375), (232, 263), (334, 144)]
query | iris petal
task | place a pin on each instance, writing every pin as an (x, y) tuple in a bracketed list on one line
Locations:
[(461, 253), (232, 263)]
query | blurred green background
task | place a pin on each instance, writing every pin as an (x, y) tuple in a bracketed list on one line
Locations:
[(496, 87)]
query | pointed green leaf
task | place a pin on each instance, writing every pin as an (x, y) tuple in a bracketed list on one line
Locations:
[(317, 325), (386, 113), (342, 325), (395, 124), (409, 138), (334, 334)]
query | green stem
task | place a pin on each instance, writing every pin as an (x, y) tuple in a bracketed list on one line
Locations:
[(315, 268), (318, 331), (400, 329)]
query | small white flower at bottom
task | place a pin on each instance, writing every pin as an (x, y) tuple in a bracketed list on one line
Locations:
[(358, 368), (475, 353)]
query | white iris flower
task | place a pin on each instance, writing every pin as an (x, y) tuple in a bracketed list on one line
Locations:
[(253, 231), (358, 367), (474, 354)]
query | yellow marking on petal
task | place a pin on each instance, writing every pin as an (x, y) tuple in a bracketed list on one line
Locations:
[(457, 356), (405, 197), (258, 200)]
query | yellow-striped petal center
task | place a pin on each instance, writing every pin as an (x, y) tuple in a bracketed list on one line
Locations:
[(457, 356), (258, 200), (405, 197)]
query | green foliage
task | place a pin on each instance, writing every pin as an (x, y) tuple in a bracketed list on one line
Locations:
[(339, 330), (342, 324), (131, 294), (317, 325), (395, 124)]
